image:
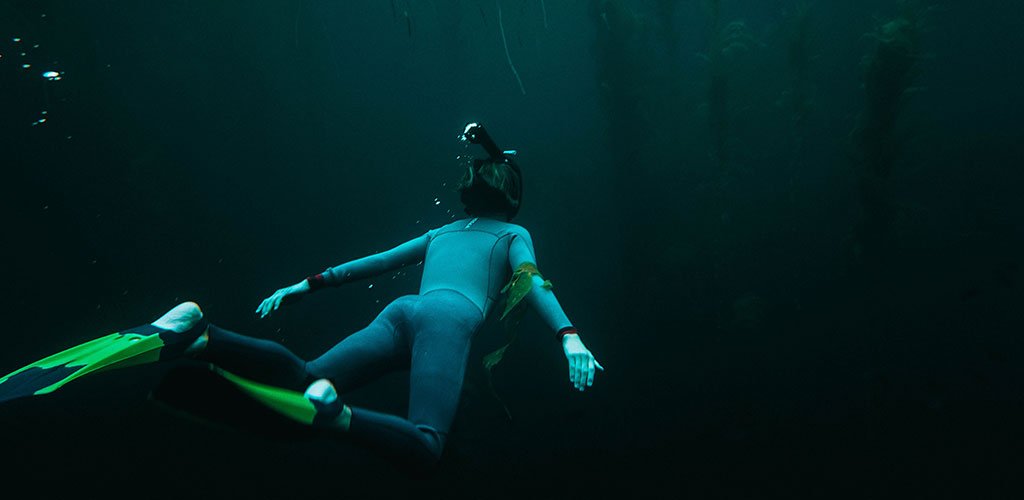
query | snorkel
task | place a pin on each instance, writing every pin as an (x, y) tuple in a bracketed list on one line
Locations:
[(477, 134)]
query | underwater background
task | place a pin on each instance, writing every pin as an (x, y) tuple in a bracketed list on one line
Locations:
[(791, 231)]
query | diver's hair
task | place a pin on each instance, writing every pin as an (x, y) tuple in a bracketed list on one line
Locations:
[(493, 187)]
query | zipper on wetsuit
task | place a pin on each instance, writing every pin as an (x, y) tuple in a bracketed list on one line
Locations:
[(471, 222)]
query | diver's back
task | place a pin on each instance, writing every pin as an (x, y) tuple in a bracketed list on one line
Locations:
[(470, 256)]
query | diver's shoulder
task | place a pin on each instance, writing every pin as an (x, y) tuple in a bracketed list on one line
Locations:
[(496, 227), (444, 228), (516, 229)]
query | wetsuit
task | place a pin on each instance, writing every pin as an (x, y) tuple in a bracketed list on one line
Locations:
[(465, 265)]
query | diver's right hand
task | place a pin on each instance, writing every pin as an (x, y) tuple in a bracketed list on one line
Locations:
[(271, 303)]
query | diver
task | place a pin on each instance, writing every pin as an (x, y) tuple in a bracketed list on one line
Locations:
[(468, 265)]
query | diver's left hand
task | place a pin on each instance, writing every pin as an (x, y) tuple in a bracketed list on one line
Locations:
[(581, 362)]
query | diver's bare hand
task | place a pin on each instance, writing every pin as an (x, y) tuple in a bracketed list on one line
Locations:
[(582, 364), (273, 302)]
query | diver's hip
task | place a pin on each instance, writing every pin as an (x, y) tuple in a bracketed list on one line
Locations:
[(453, 302)]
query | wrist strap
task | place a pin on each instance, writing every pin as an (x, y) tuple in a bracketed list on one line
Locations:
[(567, 331), (316, 281)]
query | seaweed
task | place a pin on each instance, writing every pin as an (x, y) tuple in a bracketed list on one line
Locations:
[(800, 57), (728, 46), (890, 69)]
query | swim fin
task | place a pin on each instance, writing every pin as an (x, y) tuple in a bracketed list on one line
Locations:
[(294, 405), (134, 346)]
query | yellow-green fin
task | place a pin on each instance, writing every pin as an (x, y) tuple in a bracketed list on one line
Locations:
[(291, 404)]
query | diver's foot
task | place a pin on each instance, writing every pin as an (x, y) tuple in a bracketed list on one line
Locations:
[(182, 318), (330, 411)]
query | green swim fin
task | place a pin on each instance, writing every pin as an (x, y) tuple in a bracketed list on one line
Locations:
[(291, 404), (288, 403), (134, 346)]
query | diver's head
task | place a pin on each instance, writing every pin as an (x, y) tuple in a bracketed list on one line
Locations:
[(491, 188)]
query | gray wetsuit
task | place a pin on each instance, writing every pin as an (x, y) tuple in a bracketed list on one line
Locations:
[(465, 265)]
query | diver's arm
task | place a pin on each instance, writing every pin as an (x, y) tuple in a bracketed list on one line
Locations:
[(408, 253), (403, 255), (541, 299), (582, 364)]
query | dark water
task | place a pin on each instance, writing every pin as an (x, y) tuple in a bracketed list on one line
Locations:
[(792, 236)]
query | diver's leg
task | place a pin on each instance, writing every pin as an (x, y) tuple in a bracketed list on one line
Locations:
[(439, 361), (367, 354), (396, 437), (257, 359), (379, 348), (440, 348)]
